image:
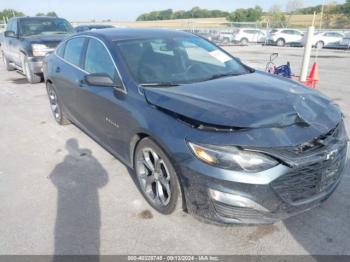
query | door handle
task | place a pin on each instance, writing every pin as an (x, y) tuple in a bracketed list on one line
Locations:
[(58, 69), (82, 83)]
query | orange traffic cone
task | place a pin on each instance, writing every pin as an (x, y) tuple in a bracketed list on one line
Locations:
[(313, 76)]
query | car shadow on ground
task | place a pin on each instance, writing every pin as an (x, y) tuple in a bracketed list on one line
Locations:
[(19, 81), (78, 220), (325, 230)]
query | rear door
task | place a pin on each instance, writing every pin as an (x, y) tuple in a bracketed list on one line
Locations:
[(332, 37), (287, 35), (67, 73), (297, 36)]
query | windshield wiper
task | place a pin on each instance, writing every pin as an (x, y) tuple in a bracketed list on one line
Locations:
[(216, 76), (160, 84)]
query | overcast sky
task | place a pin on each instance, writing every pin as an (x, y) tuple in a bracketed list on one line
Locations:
[(127, 10)]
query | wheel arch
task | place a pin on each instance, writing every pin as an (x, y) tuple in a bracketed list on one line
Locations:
[(133, 144), (281, 38), (244, 39)]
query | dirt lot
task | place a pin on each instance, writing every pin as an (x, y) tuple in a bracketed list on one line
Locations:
[(96, 208)]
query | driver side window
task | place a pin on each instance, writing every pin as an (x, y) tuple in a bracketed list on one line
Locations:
[(14, 26), (98, 60)]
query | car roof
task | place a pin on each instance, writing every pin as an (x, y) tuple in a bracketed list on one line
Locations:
[(116, 34), (249, 28), (279, 29), (92, 25), (38, 17)]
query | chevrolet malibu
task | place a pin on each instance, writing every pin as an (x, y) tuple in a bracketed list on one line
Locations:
[(203, 132)]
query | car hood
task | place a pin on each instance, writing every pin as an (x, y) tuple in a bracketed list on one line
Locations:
[(252, 100), (49, 40)]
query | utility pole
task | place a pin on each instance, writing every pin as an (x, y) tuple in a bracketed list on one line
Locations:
[(307, 51)]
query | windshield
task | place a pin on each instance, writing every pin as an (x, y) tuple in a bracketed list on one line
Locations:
[(44, 26), (177, 60)]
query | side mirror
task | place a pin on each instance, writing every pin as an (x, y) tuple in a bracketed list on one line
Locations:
[(99, 79), (10, 34), (238, 59)]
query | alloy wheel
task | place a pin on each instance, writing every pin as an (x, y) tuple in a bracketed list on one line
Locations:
[(4, 59), (319, 45), (280, 42), (55, 108), (27, 71), (153, 176)]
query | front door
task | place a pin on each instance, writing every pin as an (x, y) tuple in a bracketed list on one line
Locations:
[(103, 109)]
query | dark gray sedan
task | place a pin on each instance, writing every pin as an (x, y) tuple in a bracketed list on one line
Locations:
[(202, 131)]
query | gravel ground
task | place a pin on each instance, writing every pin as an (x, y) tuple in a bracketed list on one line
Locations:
[(61, 193)]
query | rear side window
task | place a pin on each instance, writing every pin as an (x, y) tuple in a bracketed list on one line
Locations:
[(98, 60), (60, 50), (336, 35), (73, 50), (252, 32)]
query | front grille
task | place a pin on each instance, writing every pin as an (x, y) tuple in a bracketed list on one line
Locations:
[(52, 44), (312, 180)]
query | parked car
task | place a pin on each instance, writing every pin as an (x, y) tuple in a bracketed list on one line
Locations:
[(202, 131), (247, 35), (322, 39), (281, 37), (226, 36), (28, 39), (342, 44), (82, 28)]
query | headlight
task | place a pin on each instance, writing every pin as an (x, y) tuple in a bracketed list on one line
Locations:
[(229, 157), (40, 50)]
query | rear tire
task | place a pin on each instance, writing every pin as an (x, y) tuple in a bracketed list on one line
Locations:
[(226, 40), (56, 106), (7, 63), (31, 77), (244, 41), (319, 45), (281, 42), (156, 177)]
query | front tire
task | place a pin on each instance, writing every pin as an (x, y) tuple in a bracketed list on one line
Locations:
[(56, 106), (156, 176), (31, 77), (281, 42), (244, 41), (7, 63), (319, 44)]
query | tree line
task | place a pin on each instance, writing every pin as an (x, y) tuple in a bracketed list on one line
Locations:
[(195, 12), (8, 13), (255, 14), (333, 7)]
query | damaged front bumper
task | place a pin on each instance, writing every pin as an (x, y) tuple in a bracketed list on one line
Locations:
[(305, 178)]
